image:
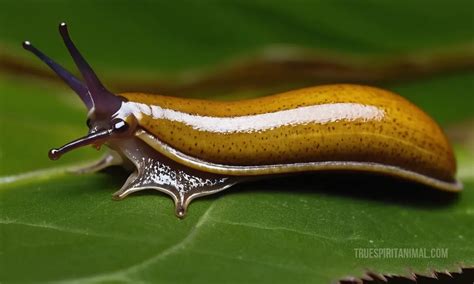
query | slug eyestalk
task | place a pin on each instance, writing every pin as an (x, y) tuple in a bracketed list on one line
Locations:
[(100, 102)]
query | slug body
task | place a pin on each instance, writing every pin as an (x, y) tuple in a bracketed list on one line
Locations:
[(189, 148)]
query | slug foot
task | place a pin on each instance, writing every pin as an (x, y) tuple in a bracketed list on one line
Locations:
[(183, 184)]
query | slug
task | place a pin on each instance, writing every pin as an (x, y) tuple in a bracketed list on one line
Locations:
[(189, 148)]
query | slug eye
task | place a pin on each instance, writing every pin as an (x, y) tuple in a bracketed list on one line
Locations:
[(119, 125)]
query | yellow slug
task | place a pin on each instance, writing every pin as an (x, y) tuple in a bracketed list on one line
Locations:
[(189, 148)]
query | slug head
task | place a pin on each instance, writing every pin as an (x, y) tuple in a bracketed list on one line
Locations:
[(104, 119)]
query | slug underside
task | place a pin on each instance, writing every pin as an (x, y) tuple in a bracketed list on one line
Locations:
[(152, 170)]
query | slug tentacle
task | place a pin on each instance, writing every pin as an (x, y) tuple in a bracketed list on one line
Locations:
[(102, 104), (96, 138), (72, 81), (104, 101)]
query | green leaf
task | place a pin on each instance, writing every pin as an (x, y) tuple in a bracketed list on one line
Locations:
[(67, 228), (59, 227)]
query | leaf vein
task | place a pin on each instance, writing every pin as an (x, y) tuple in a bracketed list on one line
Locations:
[(124, 274), (65, 230), (280, 228)]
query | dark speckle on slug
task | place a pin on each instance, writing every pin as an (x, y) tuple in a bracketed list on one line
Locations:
[(372, 128)]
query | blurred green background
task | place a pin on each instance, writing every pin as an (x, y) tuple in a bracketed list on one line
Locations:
[(59, 227)]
